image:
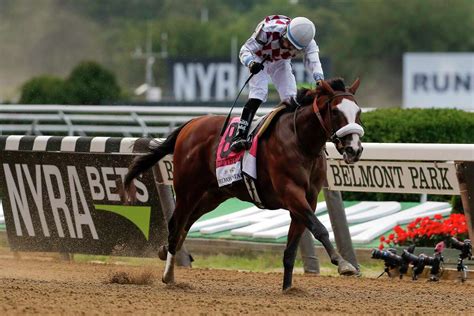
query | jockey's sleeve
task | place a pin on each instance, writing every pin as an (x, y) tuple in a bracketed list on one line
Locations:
[(253, 45), (311, 59)]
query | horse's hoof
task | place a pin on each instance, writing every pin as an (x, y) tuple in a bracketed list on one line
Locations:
[(345, 268), (335, 259), (167, 280), (163, 252)]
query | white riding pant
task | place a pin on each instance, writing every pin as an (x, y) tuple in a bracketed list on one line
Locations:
[(282, 77)]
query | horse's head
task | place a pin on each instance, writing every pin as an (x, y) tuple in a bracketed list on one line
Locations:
[(341, 117)]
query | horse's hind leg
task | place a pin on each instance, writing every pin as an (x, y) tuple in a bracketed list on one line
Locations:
[(175, 231), (180, 223), (163, 251)]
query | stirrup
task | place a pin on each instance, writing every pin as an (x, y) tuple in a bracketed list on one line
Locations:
[(239, 145)]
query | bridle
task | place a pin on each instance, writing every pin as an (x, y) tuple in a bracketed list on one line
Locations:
[(333, 136)]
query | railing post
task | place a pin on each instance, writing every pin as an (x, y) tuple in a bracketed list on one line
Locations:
[(465, 175), (140, 122), (339, 225), (68, 123), (308, 253)]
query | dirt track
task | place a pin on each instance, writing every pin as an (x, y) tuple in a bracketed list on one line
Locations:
[(38, 285)]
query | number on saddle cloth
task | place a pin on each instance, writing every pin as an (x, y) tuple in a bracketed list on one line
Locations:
[(259, 128), (229, 134)]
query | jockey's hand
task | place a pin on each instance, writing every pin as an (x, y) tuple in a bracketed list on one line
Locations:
[(255, 67), (318, 78)]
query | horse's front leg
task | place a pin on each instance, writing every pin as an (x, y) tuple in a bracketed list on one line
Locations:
[(294, 235), (301, 209)]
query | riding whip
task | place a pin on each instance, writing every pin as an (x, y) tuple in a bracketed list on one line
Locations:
[(238, 95)]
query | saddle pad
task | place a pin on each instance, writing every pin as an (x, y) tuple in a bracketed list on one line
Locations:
[(228, 163)]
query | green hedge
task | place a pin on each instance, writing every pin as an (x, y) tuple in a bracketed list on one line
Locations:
[(414, 126), (88, 83), (43, 90)]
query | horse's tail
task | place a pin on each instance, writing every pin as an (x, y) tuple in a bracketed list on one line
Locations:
[(145, 162)]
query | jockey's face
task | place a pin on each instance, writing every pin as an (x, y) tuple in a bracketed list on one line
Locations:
[(285, 43)]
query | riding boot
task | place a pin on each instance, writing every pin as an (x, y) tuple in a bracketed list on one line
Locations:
[(239, 141)]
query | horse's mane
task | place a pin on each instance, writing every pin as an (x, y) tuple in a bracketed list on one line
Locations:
[(303, 98)]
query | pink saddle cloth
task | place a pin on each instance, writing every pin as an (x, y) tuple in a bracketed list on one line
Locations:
[(230, 165)]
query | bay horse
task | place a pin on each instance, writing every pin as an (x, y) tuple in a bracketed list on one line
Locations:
[(291, 168)]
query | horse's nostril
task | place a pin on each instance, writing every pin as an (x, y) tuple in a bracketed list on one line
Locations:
[(350, 150)]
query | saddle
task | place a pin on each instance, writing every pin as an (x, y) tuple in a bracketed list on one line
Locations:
[(231, 166), (260, 125)]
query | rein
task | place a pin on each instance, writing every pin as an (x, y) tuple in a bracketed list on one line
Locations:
[(327, 104), (316, 111)]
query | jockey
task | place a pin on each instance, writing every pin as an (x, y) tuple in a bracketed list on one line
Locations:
[(276, 39)]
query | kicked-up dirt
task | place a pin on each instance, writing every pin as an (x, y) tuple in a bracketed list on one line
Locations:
[(40, 285)]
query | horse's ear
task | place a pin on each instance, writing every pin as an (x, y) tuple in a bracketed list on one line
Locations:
[(327, 88), (353, 88)]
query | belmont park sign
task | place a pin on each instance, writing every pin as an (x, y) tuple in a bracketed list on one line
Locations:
[(375, 176), (387, 176)]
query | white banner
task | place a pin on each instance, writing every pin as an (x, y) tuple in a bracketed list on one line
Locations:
[(393, 177), (440, 80), (213, 80)]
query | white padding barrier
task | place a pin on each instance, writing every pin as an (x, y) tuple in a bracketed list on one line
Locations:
[(324, 219), (380, 226), (222, 219), (368, 220), (411, 152), (381, 209), (242, 221), (384, 226), (278, 221)]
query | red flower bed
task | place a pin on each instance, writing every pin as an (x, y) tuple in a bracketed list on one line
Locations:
[(427, 232)]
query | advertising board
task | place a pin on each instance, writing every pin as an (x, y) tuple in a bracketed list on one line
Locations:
[(438, 80), (214, 80), (69, 202)]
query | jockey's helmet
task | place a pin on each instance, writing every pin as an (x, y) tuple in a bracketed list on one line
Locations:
[(300, 32)]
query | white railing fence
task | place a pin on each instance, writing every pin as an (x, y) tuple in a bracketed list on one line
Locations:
[(103, 120)]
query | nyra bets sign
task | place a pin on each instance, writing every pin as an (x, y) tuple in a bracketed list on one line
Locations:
[(438, 80), (394, 177), (70, 203), (213, 80)]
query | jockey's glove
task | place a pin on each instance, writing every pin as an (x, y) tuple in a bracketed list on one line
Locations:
[(255, 67), (318, 77)]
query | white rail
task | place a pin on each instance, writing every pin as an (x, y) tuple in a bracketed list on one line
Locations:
[(103, 120), (71, 120), (412, 152)]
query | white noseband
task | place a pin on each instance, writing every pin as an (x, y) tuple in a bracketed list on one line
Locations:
[(351, 128)]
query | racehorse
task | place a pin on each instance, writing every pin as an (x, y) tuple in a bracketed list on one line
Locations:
[(291, 168)]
